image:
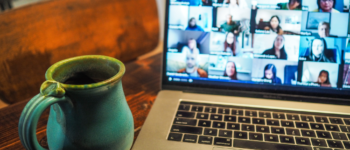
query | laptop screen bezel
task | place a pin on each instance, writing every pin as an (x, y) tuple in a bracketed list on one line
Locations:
[(280, 92)]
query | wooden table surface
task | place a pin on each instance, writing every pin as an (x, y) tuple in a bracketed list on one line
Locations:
[(141, 84)]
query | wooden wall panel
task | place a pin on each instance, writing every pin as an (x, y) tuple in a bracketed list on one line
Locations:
[(34, 37)]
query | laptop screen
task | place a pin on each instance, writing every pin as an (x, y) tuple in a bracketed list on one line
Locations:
[(284, 45)]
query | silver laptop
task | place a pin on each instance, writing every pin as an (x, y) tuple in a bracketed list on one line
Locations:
[(252, 74)]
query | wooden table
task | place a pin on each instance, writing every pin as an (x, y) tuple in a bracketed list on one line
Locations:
[(141, 84)]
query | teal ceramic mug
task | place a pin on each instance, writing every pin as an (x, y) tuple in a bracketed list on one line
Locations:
[(87, 104)]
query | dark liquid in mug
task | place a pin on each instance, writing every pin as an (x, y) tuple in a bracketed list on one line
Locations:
[(82, 79)]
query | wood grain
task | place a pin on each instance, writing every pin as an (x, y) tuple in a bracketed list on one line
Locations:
[(34, 37), (141, 84)]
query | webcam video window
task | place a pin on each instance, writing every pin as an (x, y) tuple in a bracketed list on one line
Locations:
[(280, 4), (277, 22), (187, 65), (330, 6), (319, 74)]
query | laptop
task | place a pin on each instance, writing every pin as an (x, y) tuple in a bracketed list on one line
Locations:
[(252, 74)]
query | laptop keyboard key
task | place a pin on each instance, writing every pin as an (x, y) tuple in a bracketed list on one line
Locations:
[(230, 118), (237, 112), (247, 127), (271, 137), (184, 107), (244, 119), (215, 117), (202, 116), (293, 117), (308, 133), (267, 145), (210, 109), (219, 125), (212, 132), (204, 123), (347, 121), (345, 128), (287, 124), (255, 136), (316, 126), (184, 121), (294, 132), (335, 144), (272, 122), (258, 121), (185, 114), (175, 137), (302, 125), (224, 111), (336, 120), (197, 108), (277, 130), (287, 139), (302, 141), (205, 140), (240, 135), (323, 134), (319, 142), (265, 114), (307, 118), (223, 142), (331, 127), (279, 116), (225, 133), (339, 136), (251, 113), (321, 119), (190, 138), (185, 129), (346, 144), (264, 129), (233, 126)]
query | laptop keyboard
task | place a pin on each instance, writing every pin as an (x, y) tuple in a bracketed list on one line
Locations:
[(265, 129)]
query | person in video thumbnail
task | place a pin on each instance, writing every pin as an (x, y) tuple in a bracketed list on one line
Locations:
[(192, 25), (191, 47), (277, 49), (326, 6), (291, 5), (229, 25), (207, 2), (270, 72), (317, 51), (236, 3), (191, 66), (323, 29), (274, 25), (323, 79), (229, 44), (231, 70)]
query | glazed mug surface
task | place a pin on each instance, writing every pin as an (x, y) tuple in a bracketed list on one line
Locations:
[(88, 109)]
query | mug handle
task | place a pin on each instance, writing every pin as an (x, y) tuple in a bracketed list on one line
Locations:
[(51, 93)]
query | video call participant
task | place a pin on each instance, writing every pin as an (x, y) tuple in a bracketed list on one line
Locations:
[(291, 5), (191, 47), (326, 6), (229, 44), (277, 49), (323, 79), (229, 25), (323, 29), (274, 25), (191, 66), (317, 51), (207, 2), (270, 72), (192, 25), (236, 4), (231, 70)]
